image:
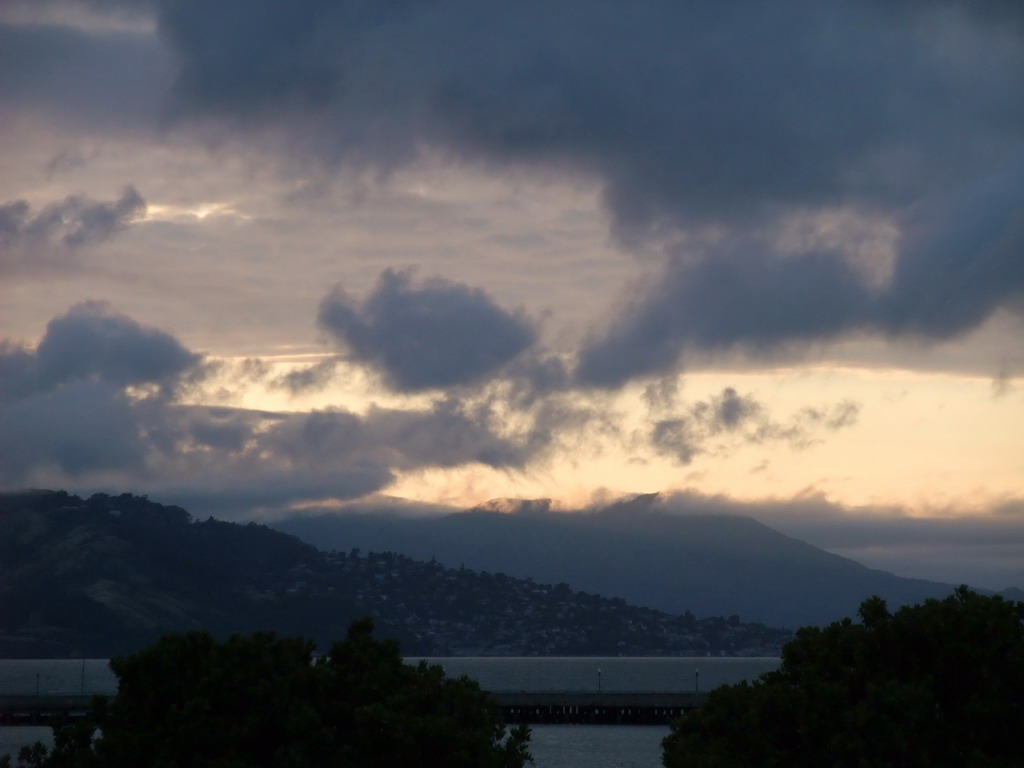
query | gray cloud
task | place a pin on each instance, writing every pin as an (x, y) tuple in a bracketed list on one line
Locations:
[(64, 405), (93, 341), (727, 299), (961, 258), (28, 239), (691, 116), (285, 54), (233, 461), (684, 109), (729, 419), (841, 415), (445, 435), (98, 81), (17, 371), (311, 378), (99, 401), (435, 334), (80, 427)]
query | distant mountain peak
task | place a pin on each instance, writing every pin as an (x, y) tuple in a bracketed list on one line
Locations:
[(509, 506), (642, 503)]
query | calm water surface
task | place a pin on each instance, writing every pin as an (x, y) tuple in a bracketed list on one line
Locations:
[(597, 746), (553, 746), (581, 673)]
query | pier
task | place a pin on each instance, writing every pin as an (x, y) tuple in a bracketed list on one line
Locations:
[(42, 710), (605, 708), (534, 707)]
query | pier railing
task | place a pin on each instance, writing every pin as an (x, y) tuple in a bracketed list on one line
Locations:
[(614, 707), (41, 710), (536, 707)]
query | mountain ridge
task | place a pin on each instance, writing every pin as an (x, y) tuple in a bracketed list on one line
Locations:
[(707, 564), (110, 574)]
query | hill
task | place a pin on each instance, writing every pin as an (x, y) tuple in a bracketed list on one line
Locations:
[(110, 574), (706, 564)]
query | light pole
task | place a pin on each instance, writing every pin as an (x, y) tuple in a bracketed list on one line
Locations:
[(598, 679), (696, 680)]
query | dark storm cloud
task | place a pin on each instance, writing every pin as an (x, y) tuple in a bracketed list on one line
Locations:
[(80, 427), (690, 115), (706, 124), (29, 239), (17, 371), (737, 297), (960, 258), (270, 52), (434, 334), (91, 81), (688, 110), (92, 341), (729, 419), (64, 405)]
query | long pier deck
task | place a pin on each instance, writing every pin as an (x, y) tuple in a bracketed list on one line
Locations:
[(535, 707), (41, 710), (613, 707)]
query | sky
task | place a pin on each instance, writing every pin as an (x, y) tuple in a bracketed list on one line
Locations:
[(263, 257)]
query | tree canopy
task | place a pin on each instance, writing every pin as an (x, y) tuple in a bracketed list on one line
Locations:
[(937, 684), (258, 701)]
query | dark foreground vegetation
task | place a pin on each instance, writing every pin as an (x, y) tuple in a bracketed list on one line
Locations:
[(257, 701), (936, 685)]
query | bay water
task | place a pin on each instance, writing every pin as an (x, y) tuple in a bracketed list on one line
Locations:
[(553, 746)]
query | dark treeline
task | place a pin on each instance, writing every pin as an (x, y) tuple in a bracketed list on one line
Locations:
[(934, 685), (261, 702)]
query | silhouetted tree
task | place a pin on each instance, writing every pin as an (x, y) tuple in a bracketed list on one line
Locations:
[(258, 701), (937, 684)]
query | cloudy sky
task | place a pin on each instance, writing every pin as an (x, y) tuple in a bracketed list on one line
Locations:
[(259, 256)]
